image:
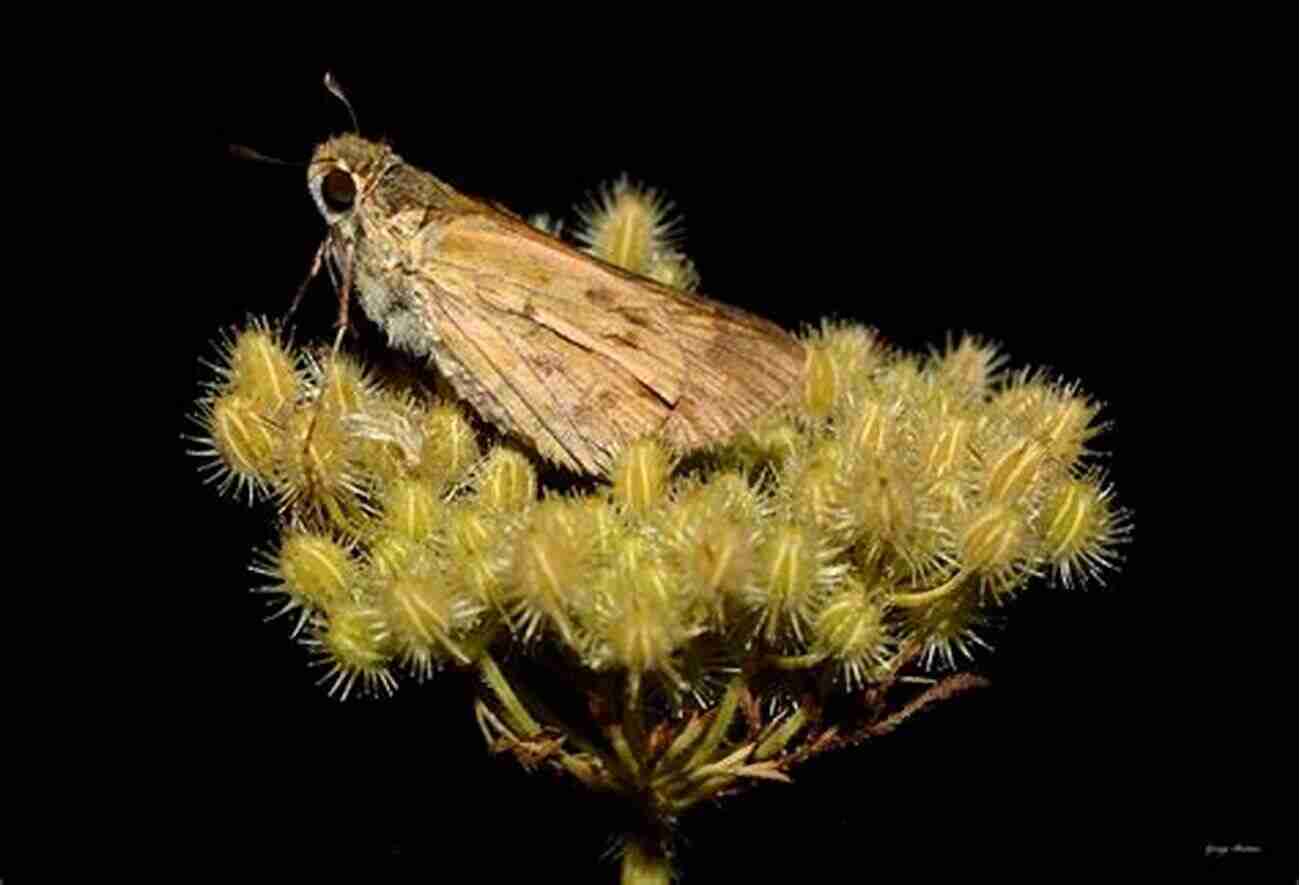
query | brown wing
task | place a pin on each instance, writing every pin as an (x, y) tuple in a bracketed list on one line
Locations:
[(739, 367), (574, 405), (514, 269), (581, 357)]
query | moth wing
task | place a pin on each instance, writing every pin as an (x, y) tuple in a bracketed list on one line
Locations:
[(574, 405), (716, 366), (517, 270), (651, 357), (740, 367)]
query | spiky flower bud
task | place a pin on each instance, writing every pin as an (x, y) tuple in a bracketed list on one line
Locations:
[(449, 445), (506, 480), (944, 448), (1082, 529), (316, 468), (1053, 412), (1067, 423), (312, 571), (340, 383), (422, 611), (885, 502), (470, 530), (550, 571), (638, 619), (242, 443), (673, 269), (969, 368), (841, 361), (476, 553), (947, 627), (640, 475), (711, 538), (821, 383), (872, 428), (237, 417), (629, 226), (355, 645), (796, 566), (850, 630), (890, 512), (258, 367), (411, 508), (1015, 469), (718, 558), (996, 543), (391, 552), (817, 484), (316, 569)]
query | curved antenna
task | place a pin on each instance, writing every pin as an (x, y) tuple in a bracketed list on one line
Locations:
[(337, 91), (244, 152)]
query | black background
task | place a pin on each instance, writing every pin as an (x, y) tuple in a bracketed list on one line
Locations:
[(1055, 186)]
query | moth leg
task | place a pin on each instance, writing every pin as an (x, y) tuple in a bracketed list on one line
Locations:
[(345, 296), (345, 291), (311, 275)]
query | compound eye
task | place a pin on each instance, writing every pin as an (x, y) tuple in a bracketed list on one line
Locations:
[(338, 190)]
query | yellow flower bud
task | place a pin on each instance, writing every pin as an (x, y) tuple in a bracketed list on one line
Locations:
[(449, 447), (244, 442), (312, 571), (260, 369), (821, 385), (1081, 530), (411, 508), (354, 645), (506, 481), (850, 630), (640, 475), (793, 572), (995, 543)]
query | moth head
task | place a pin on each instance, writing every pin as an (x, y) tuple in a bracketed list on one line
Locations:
[(339, 171)]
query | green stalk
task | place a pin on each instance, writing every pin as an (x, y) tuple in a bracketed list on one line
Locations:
[(519, 718), (645, 862), (775, 742), (794, 662), (916, 600), (633, 715), (722, 716)]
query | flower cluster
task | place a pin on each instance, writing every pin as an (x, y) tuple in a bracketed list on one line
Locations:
[(692, 598)]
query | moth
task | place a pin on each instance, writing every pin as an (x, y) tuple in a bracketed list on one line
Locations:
[(574, 356)]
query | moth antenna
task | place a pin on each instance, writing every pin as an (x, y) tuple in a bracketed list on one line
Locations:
[(337, 91), (244, 152)]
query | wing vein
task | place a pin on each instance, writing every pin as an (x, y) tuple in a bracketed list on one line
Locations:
[(505, 377)]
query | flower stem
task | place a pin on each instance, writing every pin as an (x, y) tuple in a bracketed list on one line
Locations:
[(794, 662), (518, 717), (644, 861), (916, 600), (633, 715)]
